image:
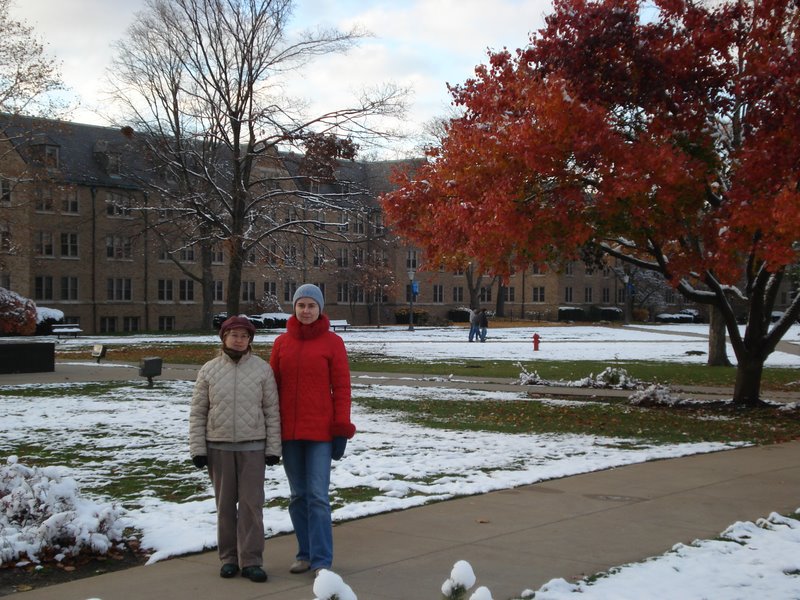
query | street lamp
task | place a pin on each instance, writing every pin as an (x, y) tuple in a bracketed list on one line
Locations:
[(626, 280), (411, 274)]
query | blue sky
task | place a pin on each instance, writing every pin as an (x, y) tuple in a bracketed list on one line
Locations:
[(421, 44)]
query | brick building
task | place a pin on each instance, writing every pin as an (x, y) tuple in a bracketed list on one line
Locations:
[(78, 233)]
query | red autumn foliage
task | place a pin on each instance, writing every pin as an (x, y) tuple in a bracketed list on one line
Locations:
[(17, 314), (666, 138)]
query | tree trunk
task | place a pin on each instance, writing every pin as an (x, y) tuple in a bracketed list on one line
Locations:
[(747, 391), (235, 278), (500, 307), (717, 353), (207, 285)]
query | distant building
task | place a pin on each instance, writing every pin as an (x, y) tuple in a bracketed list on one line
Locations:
[(74, 236)]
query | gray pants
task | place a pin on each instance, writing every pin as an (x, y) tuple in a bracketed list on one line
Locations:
[(238, 479)]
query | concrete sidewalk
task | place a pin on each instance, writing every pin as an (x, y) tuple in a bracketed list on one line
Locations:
[(514, 539)]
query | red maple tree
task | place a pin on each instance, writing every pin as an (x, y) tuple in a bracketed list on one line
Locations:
[(667, 139)]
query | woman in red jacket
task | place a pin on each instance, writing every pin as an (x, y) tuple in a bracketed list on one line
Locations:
[(313, 377)]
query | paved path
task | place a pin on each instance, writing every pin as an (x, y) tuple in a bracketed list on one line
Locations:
[(515, 539)]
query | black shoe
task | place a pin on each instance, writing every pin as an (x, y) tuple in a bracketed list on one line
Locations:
[(228, 570), (255, 573)]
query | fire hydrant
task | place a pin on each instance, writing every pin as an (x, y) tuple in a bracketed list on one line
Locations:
[(536, 339)]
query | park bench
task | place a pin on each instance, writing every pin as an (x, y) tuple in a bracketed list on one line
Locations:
[(343, 325), (67, 329)]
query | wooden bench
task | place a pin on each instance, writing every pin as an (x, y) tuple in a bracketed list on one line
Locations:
[(67, 330), (343, 325)]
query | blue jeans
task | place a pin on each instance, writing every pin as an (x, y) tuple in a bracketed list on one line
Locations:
[(308, 469), (473, 332)]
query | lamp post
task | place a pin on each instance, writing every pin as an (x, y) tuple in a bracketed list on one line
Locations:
[(626, 280), (411, 274)]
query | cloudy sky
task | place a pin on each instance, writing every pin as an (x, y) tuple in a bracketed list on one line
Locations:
[(421, 44)]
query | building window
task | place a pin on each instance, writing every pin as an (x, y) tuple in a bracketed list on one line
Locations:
[(217, 255), (358, 257), (458, 294), (5, 237), (319, 222), (509, 294), (669, 296), (360, 226), (319, 257), (536, 270), (569, 269), (130, 324), (44, 199), (342, 293), (69, 288), (43, 243), (118, 247), (291, 254), (271, 288), (587, 294), (118, 205), (186, 290), (411, 259), (218, 290), (43, 287), (5, 190), (69, 201), (538, 294), (342, 258), (108, 324), (5, 280), (344, 223), (486, 294), (69, 245), (51, 156), (165, 290), (377, 226), (248, 291), (606, 295), (568, 294), (186, 254), (289, 288), (620, 295), (166, 323), (118, 289), (438, 293)]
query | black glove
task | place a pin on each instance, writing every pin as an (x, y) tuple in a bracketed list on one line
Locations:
[(272, 460), (201, 462), (338, 445)]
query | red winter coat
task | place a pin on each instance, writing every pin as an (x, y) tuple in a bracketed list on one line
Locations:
[(313, 377)]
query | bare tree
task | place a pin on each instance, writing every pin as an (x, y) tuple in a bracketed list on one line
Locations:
[(200, 82), (28, 77)]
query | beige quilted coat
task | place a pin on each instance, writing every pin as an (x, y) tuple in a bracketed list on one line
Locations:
[(235, 402)]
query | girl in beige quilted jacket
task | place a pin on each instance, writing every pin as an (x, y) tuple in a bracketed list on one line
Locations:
[(234, 431)]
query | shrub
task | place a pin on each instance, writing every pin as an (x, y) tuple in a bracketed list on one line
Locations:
[(421, 316), (458, 315), (570, 313), (17, 314)]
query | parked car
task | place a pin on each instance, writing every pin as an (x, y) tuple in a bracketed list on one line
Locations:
[(218, 319)]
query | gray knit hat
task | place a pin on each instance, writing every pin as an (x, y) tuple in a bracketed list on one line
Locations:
[(309, 290)]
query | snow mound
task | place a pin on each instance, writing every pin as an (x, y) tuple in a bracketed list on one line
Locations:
[(41, 511)]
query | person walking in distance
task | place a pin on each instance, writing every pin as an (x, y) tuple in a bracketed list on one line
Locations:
[(311, 368), (474, 316), (234, 431), (483, 324)]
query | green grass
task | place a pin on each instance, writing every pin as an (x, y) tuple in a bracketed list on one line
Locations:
[(649, 371), (661, 425)]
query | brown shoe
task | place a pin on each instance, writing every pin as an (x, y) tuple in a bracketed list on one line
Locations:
[(300, 566)]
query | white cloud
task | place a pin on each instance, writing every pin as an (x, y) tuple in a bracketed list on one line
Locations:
[(422, 44)]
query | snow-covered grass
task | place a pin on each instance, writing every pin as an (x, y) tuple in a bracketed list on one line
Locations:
[(125, 446)]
